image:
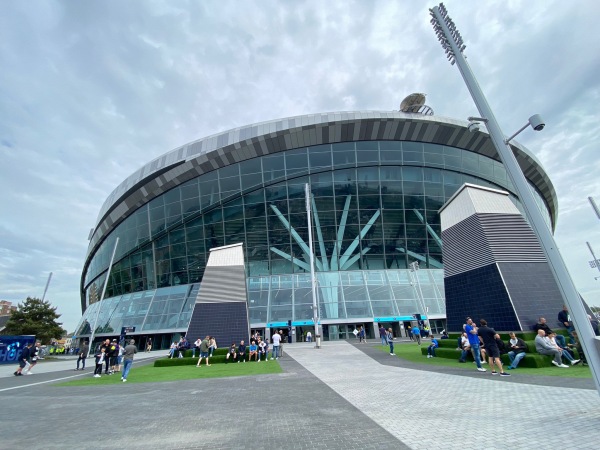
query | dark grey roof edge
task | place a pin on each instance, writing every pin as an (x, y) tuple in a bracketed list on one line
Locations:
[(241, 135)]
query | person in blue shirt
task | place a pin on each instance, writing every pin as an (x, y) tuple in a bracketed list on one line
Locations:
[(416, 332), (471, 330), (431, 349), (253, 351)]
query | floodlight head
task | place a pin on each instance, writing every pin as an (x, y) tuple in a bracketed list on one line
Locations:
[(536, 122)]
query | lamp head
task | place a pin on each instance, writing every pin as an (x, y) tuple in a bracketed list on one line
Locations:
[(536, 122)]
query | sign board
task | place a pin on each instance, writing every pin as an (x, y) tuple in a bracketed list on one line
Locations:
[(12, 346), (125, 330)]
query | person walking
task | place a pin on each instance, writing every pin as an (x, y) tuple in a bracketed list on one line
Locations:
[(204, 351), (389, 336), (128, 353), (83, 355), (489, 336), (24, 359), (361, 335), (35, 351), (149, 345), (383, 334), (416, 332), (276, 342)]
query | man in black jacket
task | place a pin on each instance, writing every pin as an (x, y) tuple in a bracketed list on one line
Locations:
[(518, 347), (83, 353), (24, 359), (565, 320)]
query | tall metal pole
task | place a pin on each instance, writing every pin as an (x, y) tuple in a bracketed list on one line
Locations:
[(452, 43), (47, 284), (593, 203), (593, 256), (112, 258), (312, 267), (414, 268)]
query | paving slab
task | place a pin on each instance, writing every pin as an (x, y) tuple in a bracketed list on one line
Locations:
[(428, 409)]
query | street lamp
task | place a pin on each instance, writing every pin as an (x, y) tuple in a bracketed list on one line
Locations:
[(453, 45)]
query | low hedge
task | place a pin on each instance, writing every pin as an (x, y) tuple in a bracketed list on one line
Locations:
[(188, 353), (168, 362), (217, 358)]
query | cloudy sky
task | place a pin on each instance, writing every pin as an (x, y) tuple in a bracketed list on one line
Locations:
[(90, 91)]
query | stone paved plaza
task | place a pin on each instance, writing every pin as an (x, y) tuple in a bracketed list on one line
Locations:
[(342, 396)]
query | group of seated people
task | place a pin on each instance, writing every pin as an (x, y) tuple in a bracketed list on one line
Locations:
[(256, 350), (547, 342)]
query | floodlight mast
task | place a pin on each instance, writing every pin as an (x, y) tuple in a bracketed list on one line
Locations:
[(452, 43)]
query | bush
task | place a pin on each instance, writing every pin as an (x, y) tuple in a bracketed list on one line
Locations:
[(168, 362)]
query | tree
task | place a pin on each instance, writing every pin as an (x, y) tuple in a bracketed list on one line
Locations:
[(36, 317)]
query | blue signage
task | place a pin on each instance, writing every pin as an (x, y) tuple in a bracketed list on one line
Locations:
[(398, 318), (11, 347), (303, 323)]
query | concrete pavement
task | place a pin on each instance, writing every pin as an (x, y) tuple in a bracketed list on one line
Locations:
[(427, 409), (342, 396)]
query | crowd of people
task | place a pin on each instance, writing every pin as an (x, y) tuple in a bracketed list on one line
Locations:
[(486, 346), (112, 357), (482, 344)]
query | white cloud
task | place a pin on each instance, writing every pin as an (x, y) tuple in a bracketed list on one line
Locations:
[(90, 91)]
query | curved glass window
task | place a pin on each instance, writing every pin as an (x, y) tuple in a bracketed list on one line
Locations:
[(374, 203)]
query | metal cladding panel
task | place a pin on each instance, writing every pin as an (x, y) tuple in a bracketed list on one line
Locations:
[(511, 239), (229, 255), (465, 247), (472, 199), (482, 239), (533, 291), (221, 307), (480, 294)]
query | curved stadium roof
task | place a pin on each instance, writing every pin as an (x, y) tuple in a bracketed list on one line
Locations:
[(219, 150)]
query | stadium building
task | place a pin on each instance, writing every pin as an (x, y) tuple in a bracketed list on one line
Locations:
[(378, 180)]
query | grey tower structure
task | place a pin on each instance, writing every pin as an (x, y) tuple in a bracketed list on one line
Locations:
[(494, 266), (221, 308)]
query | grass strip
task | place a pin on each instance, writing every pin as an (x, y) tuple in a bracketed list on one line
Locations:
[(412, 352), (151, 374)]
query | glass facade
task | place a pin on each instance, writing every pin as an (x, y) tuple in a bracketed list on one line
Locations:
[(375, 206)]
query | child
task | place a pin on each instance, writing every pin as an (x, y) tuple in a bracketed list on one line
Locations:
[(253, 351), (263, 349), (99, 362), (390, 339)]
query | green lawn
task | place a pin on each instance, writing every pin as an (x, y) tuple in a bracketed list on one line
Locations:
[(151, 374), (412, 352)]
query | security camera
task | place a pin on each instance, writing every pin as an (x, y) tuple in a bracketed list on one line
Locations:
[(473, 127), (536, 122)]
